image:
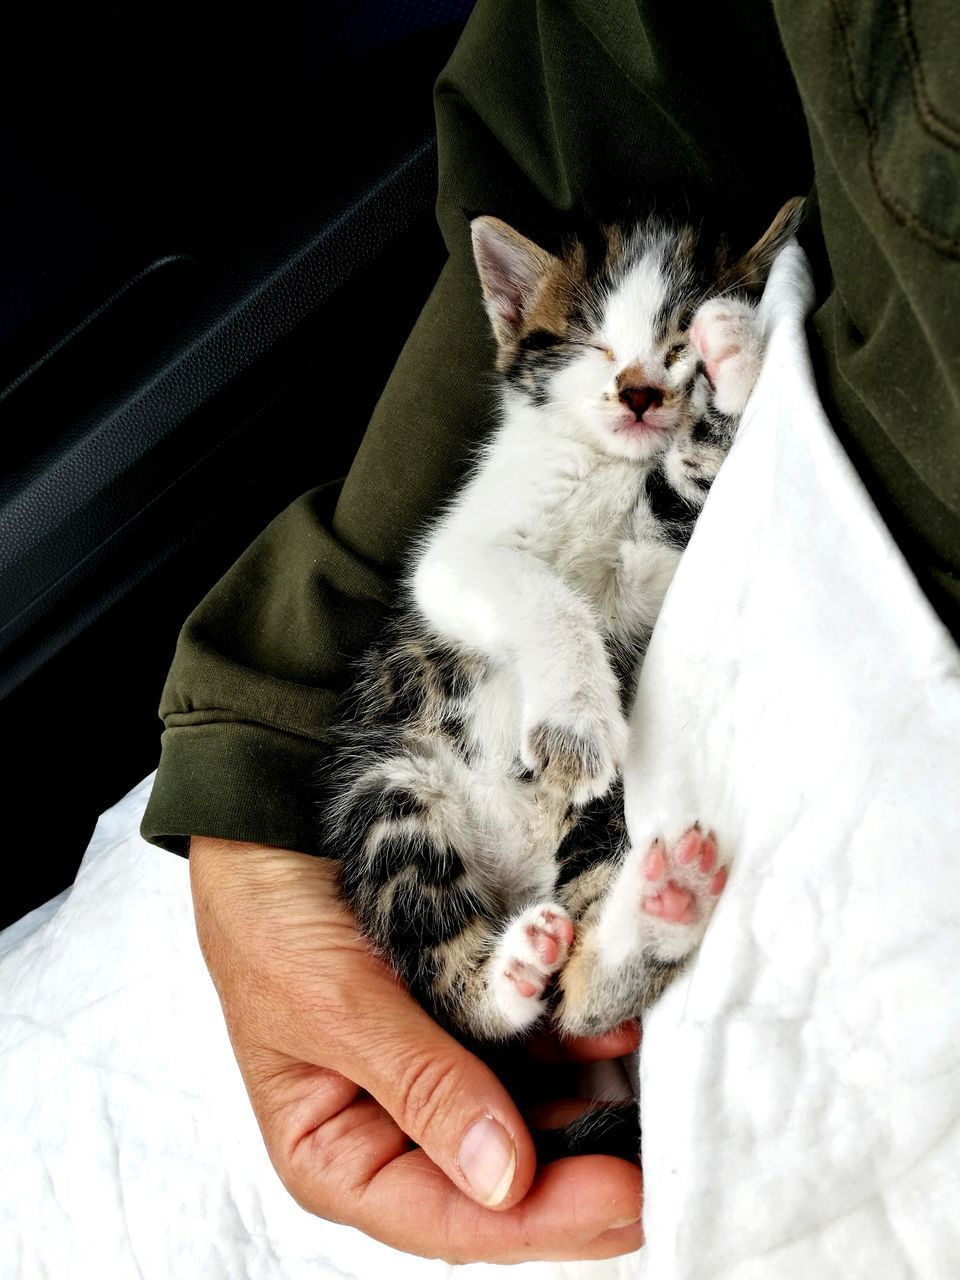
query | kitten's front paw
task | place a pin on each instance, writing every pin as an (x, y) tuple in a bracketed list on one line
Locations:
[(580, 758), (726, 336), (681, 884), (534, 948)]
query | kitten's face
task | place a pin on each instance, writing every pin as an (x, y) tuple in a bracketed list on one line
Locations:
[(600, 337), (622, 369)]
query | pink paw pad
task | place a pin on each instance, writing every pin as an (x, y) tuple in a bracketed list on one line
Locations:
[(528, 981), (550, 937), (535, 947), (699, 339), (682, 878)]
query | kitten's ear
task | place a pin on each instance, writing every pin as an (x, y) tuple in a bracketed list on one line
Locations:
[(753, 268), (512, 270)]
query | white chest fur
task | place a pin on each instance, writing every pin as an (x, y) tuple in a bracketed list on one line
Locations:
[(545, 506)]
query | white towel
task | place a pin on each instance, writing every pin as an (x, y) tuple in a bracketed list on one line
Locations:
[(800, 1090)]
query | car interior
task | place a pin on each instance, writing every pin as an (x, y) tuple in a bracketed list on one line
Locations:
[(197, 207)]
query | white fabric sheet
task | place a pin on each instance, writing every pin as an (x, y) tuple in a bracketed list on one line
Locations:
[(800, 1086)]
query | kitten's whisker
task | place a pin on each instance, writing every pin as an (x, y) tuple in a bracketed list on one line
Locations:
[(736, 284)]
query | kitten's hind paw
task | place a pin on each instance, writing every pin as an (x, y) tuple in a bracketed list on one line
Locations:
[(534, 948), (652, 919), (681, 884)]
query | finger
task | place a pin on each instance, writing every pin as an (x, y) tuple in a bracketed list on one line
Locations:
[(449, 1102), (433, 1092), (613, 1044), (570, 1212), (345, 1159)]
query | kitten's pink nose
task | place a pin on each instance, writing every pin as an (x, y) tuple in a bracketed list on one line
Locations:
[(639, 399)]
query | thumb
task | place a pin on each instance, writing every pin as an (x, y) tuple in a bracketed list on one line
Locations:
[(450, 1103)]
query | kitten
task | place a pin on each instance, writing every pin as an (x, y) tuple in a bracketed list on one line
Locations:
[(477, 811)]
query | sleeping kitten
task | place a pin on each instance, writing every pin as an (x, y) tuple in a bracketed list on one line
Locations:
[(477, 811)]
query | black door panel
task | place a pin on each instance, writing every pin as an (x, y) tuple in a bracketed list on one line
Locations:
[(197, 208)]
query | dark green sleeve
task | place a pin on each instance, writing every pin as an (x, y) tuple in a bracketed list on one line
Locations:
[(881, 92), (548, 113), (259, 662)]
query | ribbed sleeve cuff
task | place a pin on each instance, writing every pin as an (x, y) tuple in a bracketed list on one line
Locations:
[(237, 781)]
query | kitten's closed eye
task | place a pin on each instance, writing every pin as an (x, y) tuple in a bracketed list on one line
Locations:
[(589, 345), (546, 340), (675, 353)]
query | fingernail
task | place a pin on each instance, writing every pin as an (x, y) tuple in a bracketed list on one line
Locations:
[(623, 1222), (488, 1160)]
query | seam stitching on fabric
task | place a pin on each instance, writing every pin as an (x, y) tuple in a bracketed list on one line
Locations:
[(910, 221), (170, 722), (930, 118)]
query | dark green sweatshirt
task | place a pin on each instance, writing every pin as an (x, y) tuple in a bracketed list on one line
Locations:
[(551, 113)]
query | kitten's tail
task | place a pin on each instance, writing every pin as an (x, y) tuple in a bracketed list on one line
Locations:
[(612, 1129)]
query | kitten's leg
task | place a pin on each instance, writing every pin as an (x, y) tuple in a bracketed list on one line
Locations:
[(515, 609), (412, 864), (635, 940)]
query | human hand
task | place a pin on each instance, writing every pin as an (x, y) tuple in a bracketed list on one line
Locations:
[(345, 1071)]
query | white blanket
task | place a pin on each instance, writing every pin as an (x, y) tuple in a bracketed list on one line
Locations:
[(800, 1086)]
